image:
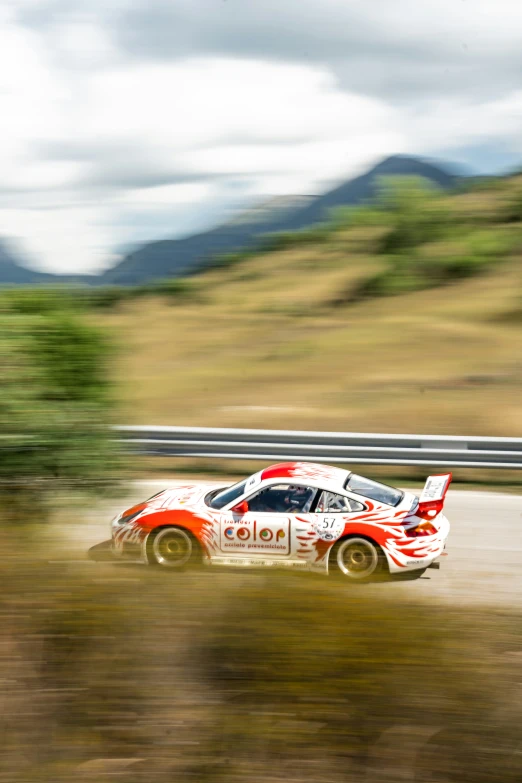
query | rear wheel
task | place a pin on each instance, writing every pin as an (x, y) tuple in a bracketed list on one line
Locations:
[(358, 559), (172, 547)]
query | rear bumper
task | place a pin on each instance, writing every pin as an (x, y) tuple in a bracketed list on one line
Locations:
[(415, 554)]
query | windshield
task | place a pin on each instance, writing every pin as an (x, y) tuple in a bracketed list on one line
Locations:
[(374, 490), (226, 496)]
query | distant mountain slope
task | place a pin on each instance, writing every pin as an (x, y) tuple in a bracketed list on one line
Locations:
[(171, 257), (12, 270), (175, 257)]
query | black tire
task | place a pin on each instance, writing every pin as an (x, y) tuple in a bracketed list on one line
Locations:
[(172, 547), (357, 559)]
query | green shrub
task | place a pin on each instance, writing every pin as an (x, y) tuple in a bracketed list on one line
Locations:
[(225, 260), (174, 287), (512, 212), (41, 299), (401, 276), (364, 216), (55, 401), (107, 296), (415, 214), (415, 270), (487, 184), (316, 234), (277, 241)]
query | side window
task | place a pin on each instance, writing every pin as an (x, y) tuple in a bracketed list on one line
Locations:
[(283, 499), (330, 503)]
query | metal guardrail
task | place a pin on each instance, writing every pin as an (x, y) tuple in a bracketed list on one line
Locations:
[(354, 448)]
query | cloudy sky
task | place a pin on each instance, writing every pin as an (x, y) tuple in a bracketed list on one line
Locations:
[(128, 120)]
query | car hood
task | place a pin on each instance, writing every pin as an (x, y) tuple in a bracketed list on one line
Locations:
[(180, 496)]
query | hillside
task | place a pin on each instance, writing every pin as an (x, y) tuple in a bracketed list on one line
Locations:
[(310, 336), (174, 257)]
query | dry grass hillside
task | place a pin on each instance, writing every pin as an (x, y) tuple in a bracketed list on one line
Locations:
[(286, 339)]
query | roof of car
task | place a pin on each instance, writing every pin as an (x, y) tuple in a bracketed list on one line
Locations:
[(312, 472)]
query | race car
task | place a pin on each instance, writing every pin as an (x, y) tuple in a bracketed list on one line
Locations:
[(295, 514)]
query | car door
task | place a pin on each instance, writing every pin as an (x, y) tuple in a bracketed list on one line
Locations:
[(332, 512), (267, 534)]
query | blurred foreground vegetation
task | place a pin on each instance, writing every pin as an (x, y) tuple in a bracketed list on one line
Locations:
[(55, 403), (120, 672)]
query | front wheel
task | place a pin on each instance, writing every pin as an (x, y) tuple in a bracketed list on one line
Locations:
[(358, 559), (172, 547)]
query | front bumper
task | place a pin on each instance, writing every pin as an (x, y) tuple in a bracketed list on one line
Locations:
[(101, 552)]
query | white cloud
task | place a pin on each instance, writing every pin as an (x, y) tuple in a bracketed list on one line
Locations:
[(195, 119), (201, 115), (69, 239), (82, 44), (166, 195), (31, 101), (116, 130), (447, 122)]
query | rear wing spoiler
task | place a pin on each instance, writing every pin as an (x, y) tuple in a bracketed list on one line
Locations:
[(432, 497)]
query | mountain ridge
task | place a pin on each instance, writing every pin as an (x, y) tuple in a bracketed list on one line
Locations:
[(176, 257)]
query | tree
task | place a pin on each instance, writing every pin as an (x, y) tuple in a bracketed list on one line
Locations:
[(55, 403), (417, 216)]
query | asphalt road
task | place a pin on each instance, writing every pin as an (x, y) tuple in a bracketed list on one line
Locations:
[(484, 561), (484, 552)]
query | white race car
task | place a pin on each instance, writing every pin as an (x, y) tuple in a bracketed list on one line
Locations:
[(298, 514)]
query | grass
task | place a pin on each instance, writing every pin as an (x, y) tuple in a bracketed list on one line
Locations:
[(267, 348)]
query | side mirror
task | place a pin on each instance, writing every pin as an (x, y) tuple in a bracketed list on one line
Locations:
[(241, 508)]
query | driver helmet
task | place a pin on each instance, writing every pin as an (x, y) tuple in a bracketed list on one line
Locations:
[(298, 490), (298, 495)]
